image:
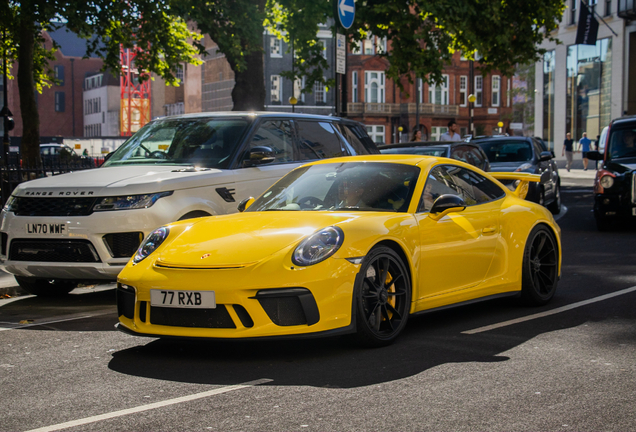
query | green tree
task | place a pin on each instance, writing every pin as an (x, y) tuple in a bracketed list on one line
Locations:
[(164, 37)]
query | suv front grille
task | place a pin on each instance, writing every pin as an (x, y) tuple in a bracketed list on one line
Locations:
[(53, 251), (28, 206)]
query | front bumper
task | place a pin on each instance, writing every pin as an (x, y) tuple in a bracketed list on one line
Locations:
[(614, 206)]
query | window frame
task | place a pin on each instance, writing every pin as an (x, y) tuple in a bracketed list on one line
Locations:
[(479, 89), (495, 90)]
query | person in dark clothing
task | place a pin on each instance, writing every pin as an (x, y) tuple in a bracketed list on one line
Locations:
[(568, 150)]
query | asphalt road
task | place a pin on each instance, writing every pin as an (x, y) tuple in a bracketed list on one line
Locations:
[(493, 366)]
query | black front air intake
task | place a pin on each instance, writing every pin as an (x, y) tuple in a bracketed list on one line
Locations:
[(289, 306), (73, 251)]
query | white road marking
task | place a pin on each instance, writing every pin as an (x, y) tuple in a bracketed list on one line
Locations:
[(155, 405), (550, 312), (35, 324)]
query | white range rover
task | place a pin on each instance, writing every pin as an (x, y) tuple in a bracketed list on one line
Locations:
[(83, 226)]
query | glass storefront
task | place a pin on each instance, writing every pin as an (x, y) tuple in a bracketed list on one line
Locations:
[(549, 63), (589, 85)]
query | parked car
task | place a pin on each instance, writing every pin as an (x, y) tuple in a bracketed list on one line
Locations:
[(615, 182), (54, 154), (466, 152), (347, 245), (85, 225), (526, 154)]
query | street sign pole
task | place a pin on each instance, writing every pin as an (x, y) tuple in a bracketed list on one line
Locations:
[(344, 14)]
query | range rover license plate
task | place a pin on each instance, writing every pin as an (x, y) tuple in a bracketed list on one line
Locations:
[(183, 299), (46, 228)]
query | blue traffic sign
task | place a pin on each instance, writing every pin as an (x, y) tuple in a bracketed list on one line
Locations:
[(346, 11)]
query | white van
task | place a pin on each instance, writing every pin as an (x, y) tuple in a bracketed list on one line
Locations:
[(84, 226)]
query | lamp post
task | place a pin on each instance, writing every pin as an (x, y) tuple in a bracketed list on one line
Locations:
[(471, 101), (399, 137), (500, 126)]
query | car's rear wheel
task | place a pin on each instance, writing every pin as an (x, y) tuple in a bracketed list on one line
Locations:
[(45, 287), (382, 297), (555, 206), (540, 267)]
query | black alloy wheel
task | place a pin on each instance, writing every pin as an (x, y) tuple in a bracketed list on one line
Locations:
[(382, 297), (540, 267)]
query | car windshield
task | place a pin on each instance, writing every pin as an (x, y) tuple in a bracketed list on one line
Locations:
[(353, 186), (621, 143), (427, 151), (507, 151), (200, 142)]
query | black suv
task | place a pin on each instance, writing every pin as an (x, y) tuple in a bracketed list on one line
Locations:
[(526, 154), (615, 182), (466, 152)]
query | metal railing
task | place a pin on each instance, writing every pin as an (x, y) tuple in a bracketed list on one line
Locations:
[(383, 109)]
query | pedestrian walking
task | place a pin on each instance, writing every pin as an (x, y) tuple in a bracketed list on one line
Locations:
[(452, 134), (417, 135), (568, 150), (584, 147)]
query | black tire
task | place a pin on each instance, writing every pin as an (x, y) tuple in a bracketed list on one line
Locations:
[(45, 287), (555, 206), (381, 309), (540, 271)]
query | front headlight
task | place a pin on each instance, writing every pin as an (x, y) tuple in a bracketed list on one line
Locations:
[(129, 202), (607, 182), (9, 204), (318, 247), (152, 242), (524, 167)]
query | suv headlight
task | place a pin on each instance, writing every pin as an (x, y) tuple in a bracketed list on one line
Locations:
[(129, 202), (8, 206), (318, 247), (607, 182), (150, 243)]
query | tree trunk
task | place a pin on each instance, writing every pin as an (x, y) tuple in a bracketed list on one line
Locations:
[(26, 87), (249, 88)]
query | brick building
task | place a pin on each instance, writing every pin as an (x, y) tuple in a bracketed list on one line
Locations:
[(378, 102), (60, 106)]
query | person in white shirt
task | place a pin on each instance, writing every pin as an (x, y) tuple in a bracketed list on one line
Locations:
[(452, 134)]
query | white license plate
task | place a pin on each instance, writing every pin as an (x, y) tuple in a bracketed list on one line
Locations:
[(46, 228), (183, 299)]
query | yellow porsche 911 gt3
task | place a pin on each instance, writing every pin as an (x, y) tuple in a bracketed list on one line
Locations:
[(348, 245)]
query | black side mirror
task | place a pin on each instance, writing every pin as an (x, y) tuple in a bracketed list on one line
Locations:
[(595, 155), (244, 204), (545, 156), (447, 203), (259, 155)]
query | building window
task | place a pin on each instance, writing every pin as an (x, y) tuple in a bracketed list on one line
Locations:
[(438, 93), (437, 132), (320, 93), (355, 50), (589, 88), (275, 48), (592, 4), (179, 73), (374, 87), (276, 90), (479, 84), (368, 44), (354, 87), (299, 85), (323, 44), (548, 98), (463, 90), (419, 91), (382, 48), (573, 12), (59, 74), (496, 90), (508, 94), (376, 133), (608, 7), (59, 101)]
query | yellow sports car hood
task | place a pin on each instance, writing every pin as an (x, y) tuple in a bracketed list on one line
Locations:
[(239, 240)]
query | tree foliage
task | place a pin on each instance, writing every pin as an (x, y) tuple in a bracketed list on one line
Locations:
[(106, 24)]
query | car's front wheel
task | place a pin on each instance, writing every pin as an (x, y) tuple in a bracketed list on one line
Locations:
[(382, 297), (45, 287), (540, 271)]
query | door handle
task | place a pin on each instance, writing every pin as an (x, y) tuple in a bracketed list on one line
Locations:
[(488, 230)]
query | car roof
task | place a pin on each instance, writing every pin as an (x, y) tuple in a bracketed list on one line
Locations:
[(424, 144), (255, 114), (501, 138), (625, 119)]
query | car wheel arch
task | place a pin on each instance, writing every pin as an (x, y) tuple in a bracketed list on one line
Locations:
[(194, 214), (398, 249), (554, 234)]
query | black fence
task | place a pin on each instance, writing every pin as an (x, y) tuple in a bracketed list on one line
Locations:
[(14, 174)]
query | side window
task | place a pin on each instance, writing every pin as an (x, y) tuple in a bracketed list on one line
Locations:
[(471, 187), (277, 135), (353, 132), (318, 140), (460, 153)]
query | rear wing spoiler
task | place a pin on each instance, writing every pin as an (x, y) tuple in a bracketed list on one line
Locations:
[(524, 179)]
